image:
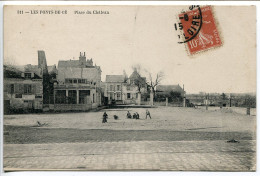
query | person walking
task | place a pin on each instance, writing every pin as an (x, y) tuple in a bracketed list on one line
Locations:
[(137, 115), (104, 117), (147, 114)]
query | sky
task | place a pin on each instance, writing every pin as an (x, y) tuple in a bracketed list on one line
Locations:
[(138, 35)]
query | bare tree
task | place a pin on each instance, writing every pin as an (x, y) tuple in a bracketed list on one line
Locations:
[(125, 76), (155, 82)]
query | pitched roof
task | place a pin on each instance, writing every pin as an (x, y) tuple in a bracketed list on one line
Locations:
[(74, 63), (68, 63), (134, 75), (91, 74), (115, 78), (11, 72), (16, 71), (168, 88)]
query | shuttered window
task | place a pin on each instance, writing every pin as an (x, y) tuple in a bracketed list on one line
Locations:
[(27, 89), (12, 88)]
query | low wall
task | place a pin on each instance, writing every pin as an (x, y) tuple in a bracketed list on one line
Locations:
[(243, 110), (239, 110), (129, 101), (162, 104), (72, 107)]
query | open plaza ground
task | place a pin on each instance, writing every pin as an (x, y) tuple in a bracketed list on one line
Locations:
[(175, 138)]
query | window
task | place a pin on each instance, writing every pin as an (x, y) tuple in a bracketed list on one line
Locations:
[(82, 81), (12, 88), (128, 95), (27, 88), (75, 81), (118, 95), (60, 97), (69, 80), (83, 96), (136, 95), (128, 87), (27, 75), (18, 95), (93, 98), (72, 97), (111, 95), (111, 87), (118, 87)]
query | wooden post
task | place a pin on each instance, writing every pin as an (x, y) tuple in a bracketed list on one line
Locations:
[(207, 99), (166, 101), (151, 98)]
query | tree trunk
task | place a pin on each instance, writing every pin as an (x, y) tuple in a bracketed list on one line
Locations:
[(153, 93)]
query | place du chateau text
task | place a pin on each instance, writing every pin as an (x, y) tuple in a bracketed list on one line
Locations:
[(91, 12)]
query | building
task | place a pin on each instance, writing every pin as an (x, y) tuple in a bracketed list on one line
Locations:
[(26, 88), (114, 85), (125, 90), (78, 85), (166, 89)]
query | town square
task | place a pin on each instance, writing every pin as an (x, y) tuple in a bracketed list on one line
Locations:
[(180, 139), (138, 88)]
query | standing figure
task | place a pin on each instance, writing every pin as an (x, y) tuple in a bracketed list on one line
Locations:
[(128, 115), (104, 117), (148, 114), (137, 115), (134, 116)]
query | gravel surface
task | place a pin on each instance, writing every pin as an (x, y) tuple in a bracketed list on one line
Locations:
[(163, 118)]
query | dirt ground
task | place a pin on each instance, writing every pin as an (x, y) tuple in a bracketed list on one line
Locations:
[(173, 139), (166, 118), (166, 124)]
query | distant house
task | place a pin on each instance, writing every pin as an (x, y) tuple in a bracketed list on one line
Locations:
[(114, 84), (125, 90), (78, 85), (166, 89), (27, 87)]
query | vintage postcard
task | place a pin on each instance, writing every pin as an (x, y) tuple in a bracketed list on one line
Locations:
[(129, 88)]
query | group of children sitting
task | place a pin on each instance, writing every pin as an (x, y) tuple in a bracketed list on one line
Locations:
[(128, 115), (135, 115)]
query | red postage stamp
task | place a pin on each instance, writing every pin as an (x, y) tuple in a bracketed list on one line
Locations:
[(199, 29)]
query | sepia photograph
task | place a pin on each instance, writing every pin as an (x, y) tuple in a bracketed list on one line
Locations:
[(129, 88)]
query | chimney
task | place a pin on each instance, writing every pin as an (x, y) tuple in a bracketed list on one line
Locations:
[(79, 53), (82, 59)]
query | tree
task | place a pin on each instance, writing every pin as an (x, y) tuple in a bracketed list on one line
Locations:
[(125, 76), (175, 96), (136, 78), (155, 82), (223, 96)]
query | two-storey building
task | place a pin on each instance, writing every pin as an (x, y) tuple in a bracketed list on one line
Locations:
[(114, 85), (26, 88), (125, 90)]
